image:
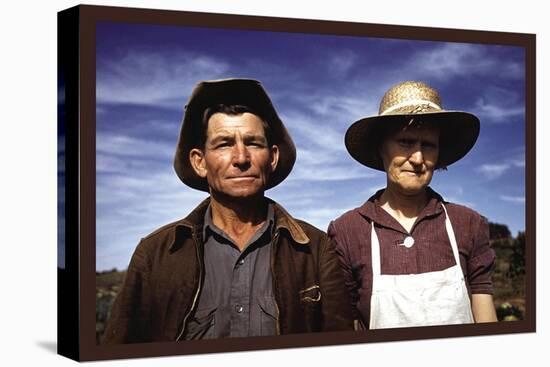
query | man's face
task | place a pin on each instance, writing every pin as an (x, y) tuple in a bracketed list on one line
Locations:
[(236, 160), (410, 157)]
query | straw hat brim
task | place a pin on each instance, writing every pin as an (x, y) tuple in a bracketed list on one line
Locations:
[(459, 132), (246, 92)]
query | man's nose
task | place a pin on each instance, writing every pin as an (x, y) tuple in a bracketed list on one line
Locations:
[(241, 155)]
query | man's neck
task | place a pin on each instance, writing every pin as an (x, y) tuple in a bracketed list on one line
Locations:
[(240, 219)]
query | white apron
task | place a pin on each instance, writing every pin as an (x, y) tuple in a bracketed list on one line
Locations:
[(433, 298)]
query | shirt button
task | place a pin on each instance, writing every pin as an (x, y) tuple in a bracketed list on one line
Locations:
[(239, 308), (408, 242), (241, 261)]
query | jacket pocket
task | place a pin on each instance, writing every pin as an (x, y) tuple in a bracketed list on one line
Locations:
[(268, 315), (310, 301), (310, 295), (201, 325)]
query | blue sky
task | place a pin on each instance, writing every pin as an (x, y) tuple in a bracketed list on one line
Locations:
[(319, 86)]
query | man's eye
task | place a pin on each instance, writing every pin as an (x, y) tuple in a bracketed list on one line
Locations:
[(429, 146), (255, 143), (406, 142)]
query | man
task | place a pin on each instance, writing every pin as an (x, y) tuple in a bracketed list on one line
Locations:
[(410, 258), (238, 265)]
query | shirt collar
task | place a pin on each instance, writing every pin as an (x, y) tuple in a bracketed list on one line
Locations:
[(372, 210), (194, 223), (210, 227)]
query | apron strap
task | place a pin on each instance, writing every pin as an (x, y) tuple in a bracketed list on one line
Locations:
[(375, 251), (451, 235)]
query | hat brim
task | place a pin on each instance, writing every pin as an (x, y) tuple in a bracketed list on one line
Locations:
[(459, 132), (246, 92)]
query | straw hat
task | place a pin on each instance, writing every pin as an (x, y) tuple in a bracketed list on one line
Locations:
[(400, 104), (245, 92)]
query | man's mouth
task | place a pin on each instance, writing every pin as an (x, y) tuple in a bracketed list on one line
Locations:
[(241, 177)]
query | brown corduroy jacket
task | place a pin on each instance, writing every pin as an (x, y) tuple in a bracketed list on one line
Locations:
[(163, 282)]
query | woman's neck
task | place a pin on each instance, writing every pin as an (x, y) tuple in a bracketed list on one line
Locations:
[(404, 208)]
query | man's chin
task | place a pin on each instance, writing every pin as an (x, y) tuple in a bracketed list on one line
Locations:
[(244, 193)]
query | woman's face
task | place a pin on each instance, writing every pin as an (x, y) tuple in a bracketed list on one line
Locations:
[(410, 157)]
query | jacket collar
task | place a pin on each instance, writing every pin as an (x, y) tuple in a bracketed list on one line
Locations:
[(372, 210), (283, 220), (194, 222)]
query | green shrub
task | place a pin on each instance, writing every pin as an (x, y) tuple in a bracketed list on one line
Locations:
[(517, 257)]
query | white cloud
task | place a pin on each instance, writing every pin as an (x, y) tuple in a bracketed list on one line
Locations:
[(376, 181), (448, 189), (340, 64), (329, 173), (345, 110), (122, 145), (311, 132), (150, 183), (320, 217), (449, 60), (519, 163), (336, 108), (154, 79), (513, 159), (457, 200), (109, 164), (513, 199), (309, 157), (493, 171), (519, 158), (497, 112), (455, 59)]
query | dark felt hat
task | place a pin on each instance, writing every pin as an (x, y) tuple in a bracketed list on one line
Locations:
[(247, 92)]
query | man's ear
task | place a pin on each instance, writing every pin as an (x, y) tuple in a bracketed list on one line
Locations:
[(274, 157), (196, 158)]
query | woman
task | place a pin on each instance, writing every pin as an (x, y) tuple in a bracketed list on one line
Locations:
[(410, 258)]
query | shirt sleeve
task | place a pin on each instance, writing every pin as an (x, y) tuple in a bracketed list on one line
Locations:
[(344, 261), (481, 261)]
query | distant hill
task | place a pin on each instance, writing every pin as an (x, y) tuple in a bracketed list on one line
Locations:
[(110, 278), (108, 284)]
